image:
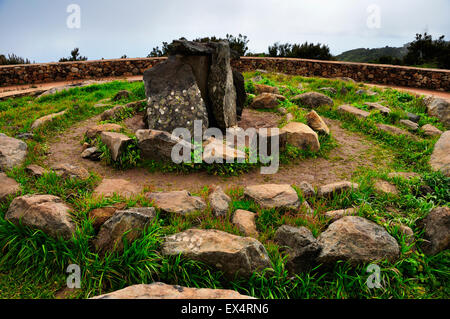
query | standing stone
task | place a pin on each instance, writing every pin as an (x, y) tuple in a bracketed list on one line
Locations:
[(219, 202), (222, 92), (158, 290), (177, 202), (12, 152), (356, 240), (273, 196), (174, 98), (131, 221), (302, 136), (8, 186), (234, 255), (116, 143), (437, 230), (245, 222), (316, 123), (241, 95), (440, 159), (45, 212)]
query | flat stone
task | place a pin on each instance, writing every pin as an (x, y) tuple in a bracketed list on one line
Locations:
[(440, 159), (100, 215), (92, 153), (312, 99), (116, 143), (8, 187), (349, 109), (385, 187), (41, 121), (241, 95), (437, 230), (336, 188), (35, 170), (273, 196), (66, 170), (109, 187), (12, 152), (219, 202), (410, 125), (234, 255), (316, 123), (95, 130), (377, 106), (267, 101), (131, 221), (159, 290), (430, 130), (216, 151), (302, 136), (334, 215), (245, 222), (356, 240), (262, 88), (177, 202), (45, 212), (394, 130)]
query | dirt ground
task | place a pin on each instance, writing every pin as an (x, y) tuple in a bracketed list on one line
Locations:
[(354, 152)]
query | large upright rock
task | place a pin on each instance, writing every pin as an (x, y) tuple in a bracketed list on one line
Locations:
[(45, 212), (440, 159), (174, 98), (234, 255), (12, 152), (221, 88), (241, 95)]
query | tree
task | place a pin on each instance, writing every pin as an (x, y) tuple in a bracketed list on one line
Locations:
[(12, 59), (156, 52), (74, 56), (425, 50), (304, 51)]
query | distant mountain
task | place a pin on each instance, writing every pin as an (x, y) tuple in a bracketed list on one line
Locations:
[(368, 55)]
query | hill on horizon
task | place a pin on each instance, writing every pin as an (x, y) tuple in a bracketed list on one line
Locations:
[(368, 55)]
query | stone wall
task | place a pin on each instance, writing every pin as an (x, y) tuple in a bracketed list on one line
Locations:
[(371, 73)]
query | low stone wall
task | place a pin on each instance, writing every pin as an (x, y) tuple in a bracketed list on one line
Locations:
[(370, 73)]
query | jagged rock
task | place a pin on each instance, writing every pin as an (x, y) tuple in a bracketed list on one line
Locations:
[(216, 151), (12, 152), (273, 196), (116, 143), (301, 246), (245, 222), (410, 125), (334, 215), (394, 130), (262, 88), (376, 106), (92, 153), (437, 230), (440, 159), (439, 108), (316, 123), (356, 240), (131, 221), (241, 95), (100, 215), (8, 186), (41, 121), (123, 94), (177, 202), (174, 97), (70, 171), (219, 201), (267, 101), (222, 92), (112, 113), (385, 187), (336, 188), (301, 136), (159, 290), (307, 189), (312, 99), (430, 130), (109, 187), (95, 130), (35, 170), (349, 109), (45, 212), (157, 145), (234, 255)]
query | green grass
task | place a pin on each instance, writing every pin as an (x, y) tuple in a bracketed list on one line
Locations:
[(33, 265)]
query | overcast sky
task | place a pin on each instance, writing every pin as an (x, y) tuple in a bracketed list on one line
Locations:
[(37, 29)]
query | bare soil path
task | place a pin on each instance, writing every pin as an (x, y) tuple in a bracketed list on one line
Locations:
[(354, 152)]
